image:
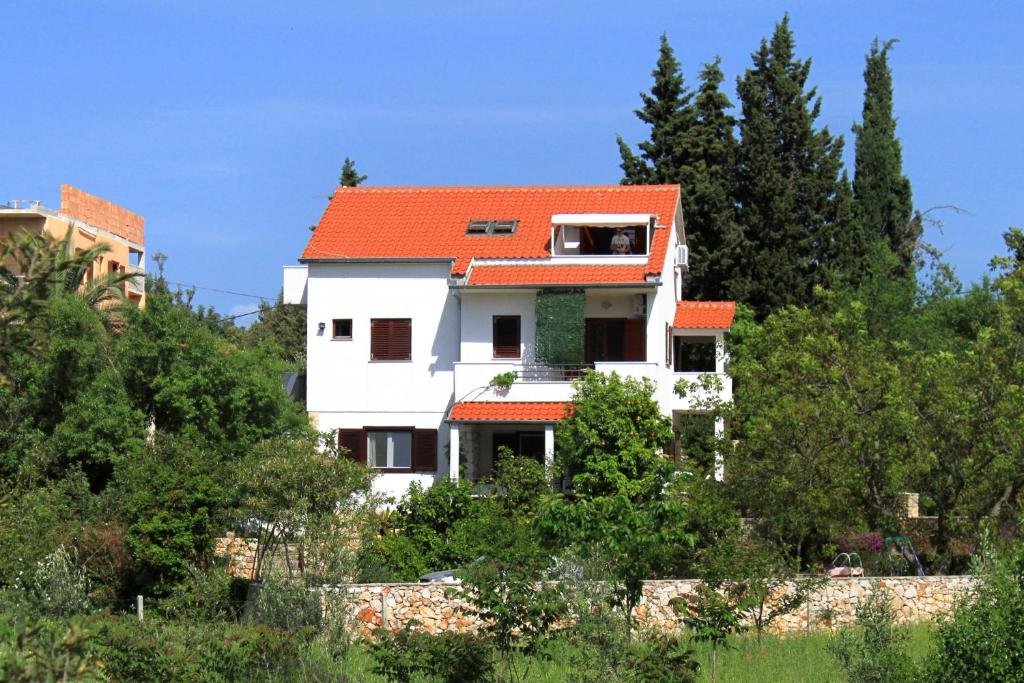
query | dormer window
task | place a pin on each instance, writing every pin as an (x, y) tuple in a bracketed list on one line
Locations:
[(602, 234), (495, 227)]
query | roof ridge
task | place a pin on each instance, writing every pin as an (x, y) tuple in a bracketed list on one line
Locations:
[(500, 188)]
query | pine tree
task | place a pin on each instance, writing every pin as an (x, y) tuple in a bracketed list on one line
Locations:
[(787, 181), (349, 175), (709, 190), (881, 190), (668, 112)]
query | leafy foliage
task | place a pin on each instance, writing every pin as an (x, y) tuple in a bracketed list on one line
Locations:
[(560, 327), (875, 651), (409, 655)]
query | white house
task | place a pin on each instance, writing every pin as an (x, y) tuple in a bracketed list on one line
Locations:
[(418, 297)]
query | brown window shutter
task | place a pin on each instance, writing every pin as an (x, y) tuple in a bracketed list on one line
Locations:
[(424, 450), (506, 336), (354, 443), (635, 341), (390, 339)]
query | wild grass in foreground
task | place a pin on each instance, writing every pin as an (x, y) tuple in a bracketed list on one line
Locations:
[(795, 659)]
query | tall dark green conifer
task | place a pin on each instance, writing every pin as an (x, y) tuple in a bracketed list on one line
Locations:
[(349, 175), (787, 181), (881, 190), (668, 112), (709, 190)]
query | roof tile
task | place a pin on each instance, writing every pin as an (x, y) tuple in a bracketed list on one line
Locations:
[(509, 411), (555, 275), (430, 222), (711, 315)]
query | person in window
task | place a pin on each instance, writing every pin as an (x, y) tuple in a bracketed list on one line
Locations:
[(620, 243)]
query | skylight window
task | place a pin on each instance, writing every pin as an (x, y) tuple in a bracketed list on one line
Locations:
[(499, 227)]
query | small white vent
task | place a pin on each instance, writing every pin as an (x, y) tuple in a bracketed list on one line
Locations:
[(683, 256)]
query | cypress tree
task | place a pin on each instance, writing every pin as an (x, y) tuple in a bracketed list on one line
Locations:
[(709, 190), (787, 181), (881, 190), (666, 109)]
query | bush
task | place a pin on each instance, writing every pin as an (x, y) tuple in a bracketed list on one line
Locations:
[(209, 594), (286, 603), (58, 587), (194, 651), (982, 642), (45, 651), (875, 650), (447, 657)]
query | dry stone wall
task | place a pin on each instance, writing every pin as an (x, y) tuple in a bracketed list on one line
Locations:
[(437, 607)]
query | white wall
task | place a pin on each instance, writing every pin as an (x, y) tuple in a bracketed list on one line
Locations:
[(478, 309), (345, 389)]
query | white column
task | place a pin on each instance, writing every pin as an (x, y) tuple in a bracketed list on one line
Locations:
[(719, 460), (549, 448), (453, 452)]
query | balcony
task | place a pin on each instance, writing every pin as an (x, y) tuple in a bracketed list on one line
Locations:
[(137, 283), (535, 381)]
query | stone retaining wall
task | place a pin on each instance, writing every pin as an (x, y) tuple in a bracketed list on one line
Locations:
[(437, 607)]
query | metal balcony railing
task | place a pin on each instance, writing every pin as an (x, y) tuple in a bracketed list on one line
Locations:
[(540, 372)]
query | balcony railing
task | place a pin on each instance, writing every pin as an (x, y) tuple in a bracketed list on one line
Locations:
[(540, 372)]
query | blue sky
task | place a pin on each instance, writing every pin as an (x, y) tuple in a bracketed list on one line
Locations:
[(225, 123)]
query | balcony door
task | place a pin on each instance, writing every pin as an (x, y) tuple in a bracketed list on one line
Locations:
[(614, 339)]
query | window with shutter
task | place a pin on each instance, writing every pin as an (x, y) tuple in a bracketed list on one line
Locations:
[(391, 339), (424, 450), (352, 443), (506, 336)]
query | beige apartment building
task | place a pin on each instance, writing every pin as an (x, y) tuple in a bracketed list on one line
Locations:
[(94, 221)]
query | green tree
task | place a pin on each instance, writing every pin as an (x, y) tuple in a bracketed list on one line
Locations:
[(882, 191), (818, 438), (969, 403), (709, 191), (788, 178), (306, 498), (349, 176), (666, 109), (611, 443), (176, 496), (35, 268), (284, 326)]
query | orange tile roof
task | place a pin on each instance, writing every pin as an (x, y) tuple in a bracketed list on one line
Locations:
[(430, 222), (712, 315), (555, 275), (509, 411)]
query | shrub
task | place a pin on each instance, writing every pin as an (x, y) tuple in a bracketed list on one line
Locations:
[(449, 657), (286, 603), (518, 610), (982, 641), (209, 594), (874, 651), (43, 651), (58, 587), (194, 651)]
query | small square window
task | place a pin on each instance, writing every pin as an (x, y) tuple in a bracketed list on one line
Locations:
[(342, 328)]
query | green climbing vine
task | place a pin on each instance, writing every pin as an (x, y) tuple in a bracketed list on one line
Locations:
[(560, 327)]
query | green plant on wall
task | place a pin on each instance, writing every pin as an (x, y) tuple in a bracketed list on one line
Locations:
[(503, 380), (560, 327)]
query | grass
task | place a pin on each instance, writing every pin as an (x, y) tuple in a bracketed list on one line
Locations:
[(796, 659)]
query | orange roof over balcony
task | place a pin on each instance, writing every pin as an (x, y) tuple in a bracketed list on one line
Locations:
[(509, 411), (709, 315), (430, 222), (555, 275)]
